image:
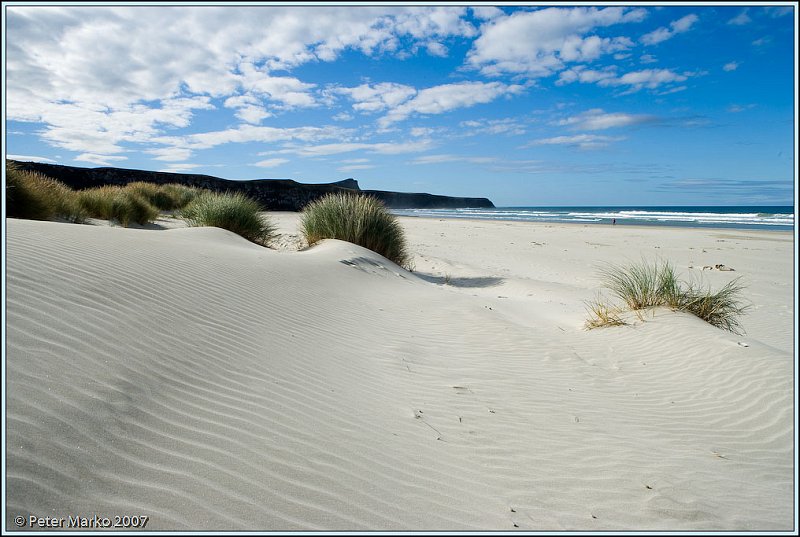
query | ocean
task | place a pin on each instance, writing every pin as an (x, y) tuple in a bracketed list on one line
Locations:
[(776, 218)]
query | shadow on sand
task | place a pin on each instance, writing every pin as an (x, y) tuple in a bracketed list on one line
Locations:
[(480, 281)]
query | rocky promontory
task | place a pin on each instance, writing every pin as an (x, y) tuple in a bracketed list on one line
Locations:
[(273, 194)]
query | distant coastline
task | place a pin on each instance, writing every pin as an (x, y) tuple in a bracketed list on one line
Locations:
[(273, 194)]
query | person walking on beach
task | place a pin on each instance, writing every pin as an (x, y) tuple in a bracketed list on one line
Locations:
[(613, 221)]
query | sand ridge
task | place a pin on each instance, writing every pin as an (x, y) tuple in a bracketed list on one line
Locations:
[(209, 383)]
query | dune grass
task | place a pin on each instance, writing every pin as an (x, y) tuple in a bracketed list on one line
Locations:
[(359, 219), (601, 314), (118, 203), (163, 197), (35, 196), (721, 309), (644, 285), (234, 212)]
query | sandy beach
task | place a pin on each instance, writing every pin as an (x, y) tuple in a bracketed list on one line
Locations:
[(207, 383)]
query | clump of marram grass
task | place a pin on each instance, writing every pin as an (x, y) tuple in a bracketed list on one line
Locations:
[(35, 196), (112, 202), (720, 309), (359, 219), (164, 197), (234, 212), (643, 285), (182, 195)]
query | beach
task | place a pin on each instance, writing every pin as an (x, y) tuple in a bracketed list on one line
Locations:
[(207, 383)]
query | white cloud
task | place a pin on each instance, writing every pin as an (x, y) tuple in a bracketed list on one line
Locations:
[(29, 158), (736, 108), (447, 97), (647, 58), (637, 80), (248, 108), (730, 66), (648, 78), (377, 97), (510, 126), (288, 92), (384, 148), (741, 19), (100, 76), (171, 153), (778, 11), (581, 141), (102, 160), (486, 12), (597, 119), (580, 73), (537, 43), (180, 168), (436, 48), (353, 167), (417, 132), (439, 159), (271, 162), (684, 24)]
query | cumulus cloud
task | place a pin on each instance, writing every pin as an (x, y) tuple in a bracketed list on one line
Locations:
[(648, 78), (486, 12), (377, 97), (82, 70), (581, 74), (730, 66), (597, 119), (537, 43), (185, 146), (447, 97), (684, 24), (636, 80)]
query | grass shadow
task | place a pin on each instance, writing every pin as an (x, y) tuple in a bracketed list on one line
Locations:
[(465, 282)]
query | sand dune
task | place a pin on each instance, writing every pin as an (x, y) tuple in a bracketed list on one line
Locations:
[(209, 384)]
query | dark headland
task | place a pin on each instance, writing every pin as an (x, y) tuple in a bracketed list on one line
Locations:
[(273, 194)]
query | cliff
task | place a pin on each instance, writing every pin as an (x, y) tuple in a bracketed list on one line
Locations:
[(273, 194)]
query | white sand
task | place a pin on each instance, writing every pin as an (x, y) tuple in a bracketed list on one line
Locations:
[(208, 383)]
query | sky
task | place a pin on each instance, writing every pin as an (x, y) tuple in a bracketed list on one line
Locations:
[(528, 105)]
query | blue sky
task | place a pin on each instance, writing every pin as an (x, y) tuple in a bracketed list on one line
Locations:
[(527, 105)]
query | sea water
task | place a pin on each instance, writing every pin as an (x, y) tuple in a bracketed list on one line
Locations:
[(777, 218)]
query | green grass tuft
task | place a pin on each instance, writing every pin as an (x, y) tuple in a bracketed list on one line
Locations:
[(164, 197), (117, 203), (359, 219), (35, 196), (234, 212), (720, 309), (643, 285)]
